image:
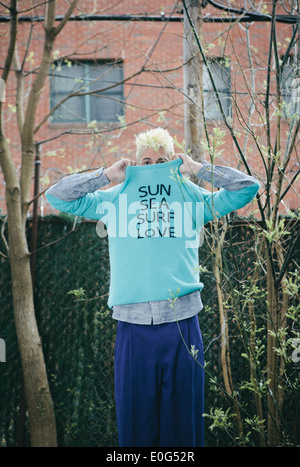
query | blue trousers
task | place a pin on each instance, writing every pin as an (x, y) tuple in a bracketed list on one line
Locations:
[(159, 388)]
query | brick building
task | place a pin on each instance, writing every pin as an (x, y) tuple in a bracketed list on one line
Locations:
[(93, 130)]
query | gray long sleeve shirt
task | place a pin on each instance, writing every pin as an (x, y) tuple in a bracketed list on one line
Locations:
[(75, 186)]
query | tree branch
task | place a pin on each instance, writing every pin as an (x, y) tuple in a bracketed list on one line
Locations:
[(20, 91), (12, 40), (50, 14), (28, 127), (65, 18), (6, 161)]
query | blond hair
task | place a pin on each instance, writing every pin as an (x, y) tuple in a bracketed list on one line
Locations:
[(155, 139)]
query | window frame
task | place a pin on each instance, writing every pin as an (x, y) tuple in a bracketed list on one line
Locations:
[(224, 93), (287, 76), (56, 95)]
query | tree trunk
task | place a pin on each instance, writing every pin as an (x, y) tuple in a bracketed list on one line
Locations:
[(38, 397), (192, 80), (39, 401), (272, 360), (225, 350)]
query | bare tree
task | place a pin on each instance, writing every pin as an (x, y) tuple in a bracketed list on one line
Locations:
[(38, 397), (275, 237), (273, 254), (192, 79)]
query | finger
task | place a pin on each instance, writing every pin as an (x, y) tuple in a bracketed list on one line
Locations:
[(128, 162), (182, 156), (124, 163)]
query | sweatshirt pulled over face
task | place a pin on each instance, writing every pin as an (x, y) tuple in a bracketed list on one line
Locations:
[(153, 220), (153, 234)]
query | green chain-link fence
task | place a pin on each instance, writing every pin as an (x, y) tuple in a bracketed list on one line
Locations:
[(78, 333)]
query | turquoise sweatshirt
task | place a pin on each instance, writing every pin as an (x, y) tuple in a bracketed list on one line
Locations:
[(153, 220)]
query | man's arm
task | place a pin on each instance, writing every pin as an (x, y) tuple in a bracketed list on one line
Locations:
[(236, 188), (225, 177), (79, 194), (76, 186), (218, 175)]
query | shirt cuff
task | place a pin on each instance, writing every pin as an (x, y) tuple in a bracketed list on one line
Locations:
[(225, 177), (99, 177)]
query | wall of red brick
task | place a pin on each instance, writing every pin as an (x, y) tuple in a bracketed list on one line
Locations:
[(154, 98)]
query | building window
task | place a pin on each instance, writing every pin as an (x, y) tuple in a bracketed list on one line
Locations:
[(104, 104), (220, 70), (290, 88)]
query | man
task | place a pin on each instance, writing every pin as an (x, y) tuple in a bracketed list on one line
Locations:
[(153, 218)]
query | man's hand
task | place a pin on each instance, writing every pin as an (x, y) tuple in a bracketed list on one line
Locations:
[(189, 166), (116, 172)]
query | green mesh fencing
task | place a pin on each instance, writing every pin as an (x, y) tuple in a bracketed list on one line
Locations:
[(78, 334)]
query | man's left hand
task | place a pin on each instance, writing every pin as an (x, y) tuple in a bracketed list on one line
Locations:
[(188, 166)]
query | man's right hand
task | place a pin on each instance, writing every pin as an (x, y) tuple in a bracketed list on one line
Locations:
[(116, 172)]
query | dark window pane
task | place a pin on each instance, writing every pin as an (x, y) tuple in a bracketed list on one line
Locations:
[(66, 79), (290, 89), (221, 77), (71, 111), (105, 110), (212, 110), (105, 77), (85, 77)]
